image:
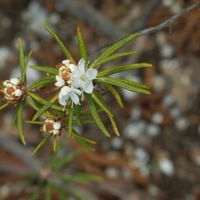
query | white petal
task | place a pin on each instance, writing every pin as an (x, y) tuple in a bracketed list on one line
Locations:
[(57, 125), (65, 90), (58, 78), (18, 92), (77, 91), (66, 62), (63, 100), (60, 83), (51, 121), (74, 98), (89, 87), (72, 67), (91, 73), (55, 132), (75, 74), (7, 83), (81, 65), (14, 81), (77, 83)]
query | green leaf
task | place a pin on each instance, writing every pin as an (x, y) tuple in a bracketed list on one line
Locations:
[(114, 125), (4, 106), (48, 191), (33, 105), (14, 117), (45, 107), (77, 109), (2, 86), (42, 82), (62, 162), (28, 58), (47, 69), (44, 102), (37, 107), (34, 122), (82, 47), (101, 102), (75, 192), (20, 121), (114, 93), (84, 121), (37, 192), (126, 84), (83, 141), (40, 145), (22, 60), (61, 192), (82, 178), (96, 115), (107, 59), (112, 49), (122, 68), (70, 120), (62, 46)]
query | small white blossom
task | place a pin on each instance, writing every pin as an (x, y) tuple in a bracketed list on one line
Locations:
[(65, 70), (14, 90), (52, 126), (67, 93), (82, 78)]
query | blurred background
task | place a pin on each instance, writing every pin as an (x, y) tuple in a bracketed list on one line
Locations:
[(157, 155)]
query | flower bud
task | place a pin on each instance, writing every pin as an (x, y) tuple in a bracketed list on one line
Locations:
[(64, 73), (14, 90), (52, 126)]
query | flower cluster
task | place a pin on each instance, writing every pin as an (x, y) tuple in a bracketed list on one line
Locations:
[(14, 91), (52, 126), (65, 69), (74, 80)]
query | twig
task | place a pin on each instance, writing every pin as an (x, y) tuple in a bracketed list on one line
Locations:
[(170, 21)]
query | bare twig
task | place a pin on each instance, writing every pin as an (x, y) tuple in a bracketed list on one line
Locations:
[(170, 21)]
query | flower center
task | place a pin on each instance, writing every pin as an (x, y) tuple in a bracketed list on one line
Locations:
[(83, 77)]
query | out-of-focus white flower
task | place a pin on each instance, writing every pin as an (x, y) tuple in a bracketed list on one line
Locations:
[(82, 78), (65, 69), (52, 126), (67, 93), (14, 91)]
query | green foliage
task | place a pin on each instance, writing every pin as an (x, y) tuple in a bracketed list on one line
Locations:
[(61, 118), (57, 182)]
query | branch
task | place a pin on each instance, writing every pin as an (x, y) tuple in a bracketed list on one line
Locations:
[(170, 21)]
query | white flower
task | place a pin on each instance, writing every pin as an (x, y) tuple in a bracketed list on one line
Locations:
[(64, 71), (14, 90), (82, 78), (68, 92), (52, 126)]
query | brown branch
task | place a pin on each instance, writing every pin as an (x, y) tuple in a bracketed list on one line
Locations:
[(170, 21)]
